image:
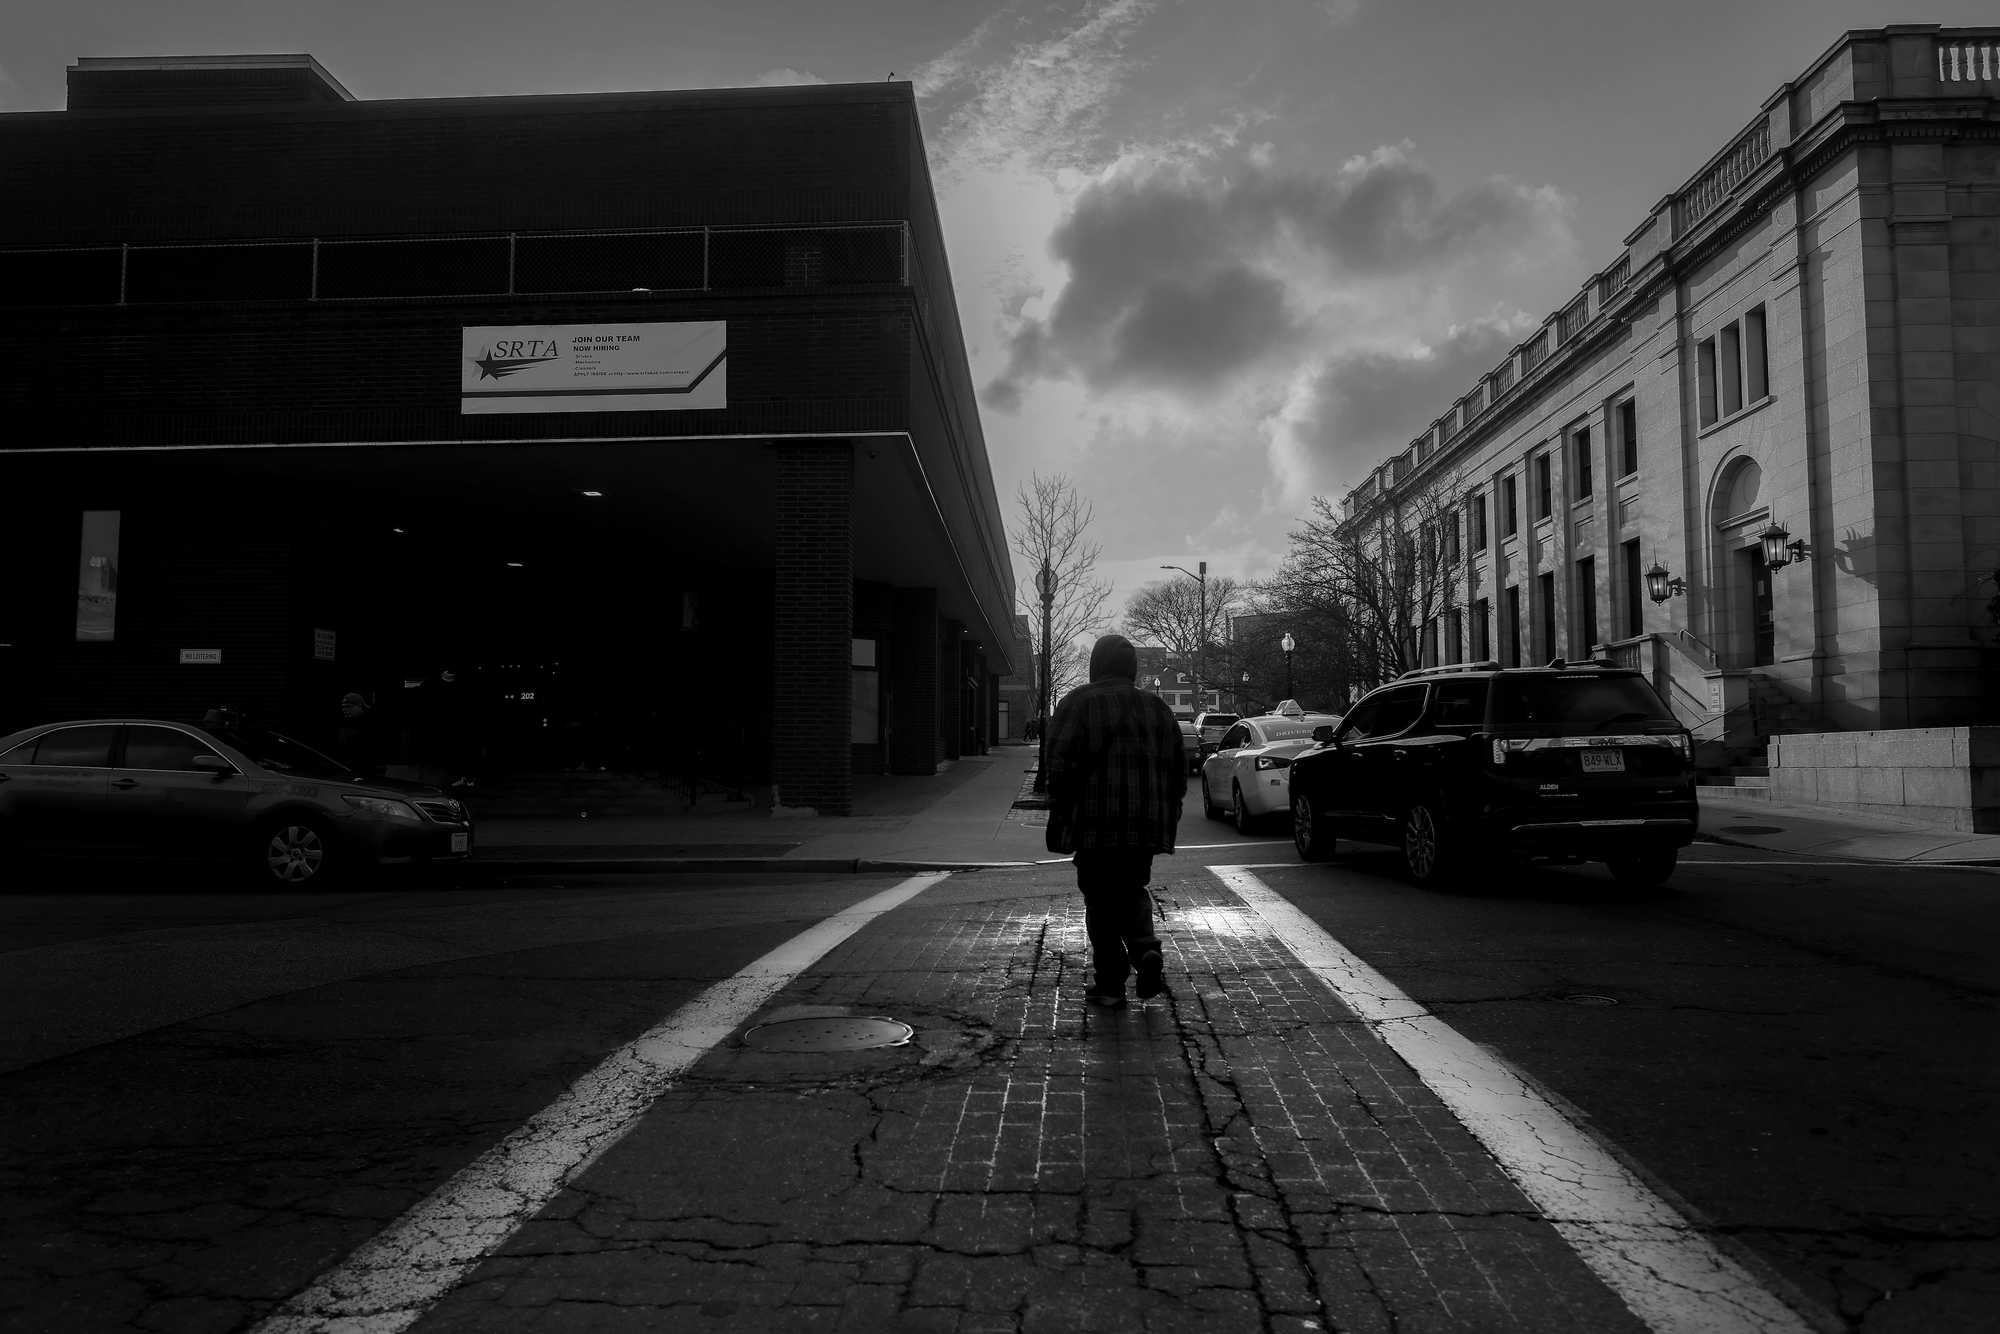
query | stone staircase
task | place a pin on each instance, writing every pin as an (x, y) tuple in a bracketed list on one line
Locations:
[(1746, 778)]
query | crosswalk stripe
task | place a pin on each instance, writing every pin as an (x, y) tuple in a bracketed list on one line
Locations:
[(389, 1282), (1670, 1275)]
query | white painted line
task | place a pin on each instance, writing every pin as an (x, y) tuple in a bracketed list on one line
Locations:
[(389, 1282), (1235, 843), (1665, 1270), (1813, 862)]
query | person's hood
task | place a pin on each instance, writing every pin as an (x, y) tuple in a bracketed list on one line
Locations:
[(1112, 657)]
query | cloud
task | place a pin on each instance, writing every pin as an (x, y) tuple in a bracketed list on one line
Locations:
[(1233, 255), (1043, 99), (1356, 408), (783, 76)]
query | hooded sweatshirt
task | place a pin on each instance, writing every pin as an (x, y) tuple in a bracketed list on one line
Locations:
[(1117, 764)]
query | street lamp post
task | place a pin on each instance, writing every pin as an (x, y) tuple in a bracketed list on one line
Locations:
[(1201, 637), (1288, 644), (1045, 584)]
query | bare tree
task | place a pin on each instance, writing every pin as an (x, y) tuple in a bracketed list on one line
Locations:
[(1176, 615), (1054, 526), (1378, 584)]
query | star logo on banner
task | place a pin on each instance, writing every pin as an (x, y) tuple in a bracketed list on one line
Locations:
[(493, 368)]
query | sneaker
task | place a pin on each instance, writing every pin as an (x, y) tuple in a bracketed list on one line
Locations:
[(1105, 998), (1150, 983)]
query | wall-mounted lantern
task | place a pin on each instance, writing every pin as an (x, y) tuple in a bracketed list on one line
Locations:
[(1660, 585), (1779, 548)]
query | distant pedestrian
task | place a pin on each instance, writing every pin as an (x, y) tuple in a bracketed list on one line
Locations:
[(1117, 775), (357, 740)]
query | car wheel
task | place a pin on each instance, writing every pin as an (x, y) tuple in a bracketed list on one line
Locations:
[(1209, 808), (1240, 813), (295, 853), (1311, 834), (1647, 871), (1428, 852)]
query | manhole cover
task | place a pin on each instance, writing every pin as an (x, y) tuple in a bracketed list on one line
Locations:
[(1589, 998), (835, 1033), (1751, 829)]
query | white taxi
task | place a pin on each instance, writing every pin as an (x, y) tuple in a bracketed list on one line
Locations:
[(1248, 778)]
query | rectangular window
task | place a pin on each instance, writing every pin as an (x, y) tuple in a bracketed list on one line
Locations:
[(1586, 602), (1510, 520), (1451, 551), (1544, 485), (97, 578), (1580, 464), (1756, 359), (1479, 522), (1482, 630), (1549, 648), (1510, 629), (1729, 368), (1628, 438), (1635, 591), (1705, 374), (867, 695), (1454, 635)]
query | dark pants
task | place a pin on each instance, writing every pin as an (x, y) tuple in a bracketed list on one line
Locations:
[(1117, 910)]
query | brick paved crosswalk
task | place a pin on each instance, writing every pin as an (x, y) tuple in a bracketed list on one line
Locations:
[(1244, 1155)]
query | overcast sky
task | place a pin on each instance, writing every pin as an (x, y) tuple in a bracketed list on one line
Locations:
[(1214, 257)]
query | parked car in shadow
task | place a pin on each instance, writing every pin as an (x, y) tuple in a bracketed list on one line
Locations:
[(288, 815)]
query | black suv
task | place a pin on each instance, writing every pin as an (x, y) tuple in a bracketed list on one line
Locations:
[(1569, 762)]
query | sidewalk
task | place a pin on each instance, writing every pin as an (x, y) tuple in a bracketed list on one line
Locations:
[(966, 817), (962, 817)]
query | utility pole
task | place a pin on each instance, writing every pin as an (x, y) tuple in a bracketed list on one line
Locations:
[(1201, 637), (1045, 584)]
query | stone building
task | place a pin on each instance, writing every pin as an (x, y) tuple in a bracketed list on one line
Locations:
[(1759, 453)]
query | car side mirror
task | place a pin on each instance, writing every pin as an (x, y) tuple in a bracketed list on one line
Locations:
[(213, 764), (1323, 733)]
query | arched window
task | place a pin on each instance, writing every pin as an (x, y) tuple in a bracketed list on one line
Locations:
[(1739, 491)]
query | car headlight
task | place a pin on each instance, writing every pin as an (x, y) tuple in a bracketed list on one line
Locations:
[(385, 807), (1273, 761)]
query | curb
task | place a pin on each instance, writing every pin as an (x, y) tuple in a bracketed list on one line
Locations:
[(1849, 856), (723, 865)]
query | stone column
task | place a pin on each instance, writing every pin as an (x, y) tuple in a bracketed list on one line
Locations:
[(812, 712)]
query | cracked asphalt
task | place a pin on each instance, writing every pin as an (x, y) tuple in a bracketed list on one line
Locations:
[(213, 1099)]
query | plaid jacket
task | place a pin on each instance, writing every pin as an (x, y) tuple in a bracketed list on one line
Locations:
[(1117, 770)]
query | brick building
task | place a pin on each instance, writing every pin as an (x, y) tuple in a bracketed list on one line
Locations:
[(649, 412), (1759, 453)]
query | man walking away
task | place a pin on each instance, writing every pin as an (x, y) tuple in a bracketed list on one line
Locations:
[(1117, 777)]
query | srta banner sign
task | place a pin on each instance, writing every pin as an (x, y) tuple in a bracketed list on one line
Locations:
[(594, 367)]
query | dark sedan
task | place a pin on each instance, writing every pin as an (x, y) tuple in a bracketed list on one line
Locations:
[(290, 815)]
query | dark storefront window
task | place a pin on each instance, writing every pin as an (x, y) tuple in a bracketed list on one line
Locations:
[(867, 694), (97, 578)]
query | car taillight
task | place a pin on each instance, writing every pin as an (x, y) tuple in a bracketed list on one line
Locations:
[(1684, 743), (1503, 747), (1273, 761)]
